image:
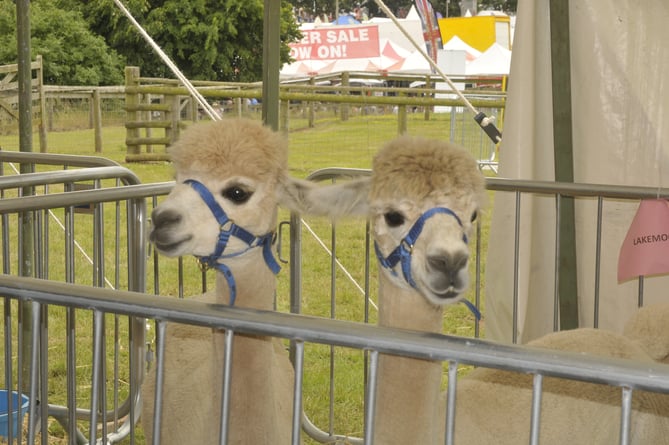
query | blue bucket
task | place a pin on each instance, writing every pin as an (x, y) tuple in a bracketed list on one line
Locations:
[(4, 417)]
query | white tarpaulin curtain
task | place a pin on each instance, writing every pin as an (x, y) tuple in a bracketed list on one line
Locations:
[(620, 105)]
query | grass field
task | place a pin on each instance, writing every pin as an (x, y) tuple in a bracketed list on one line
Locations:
[(331, 143)]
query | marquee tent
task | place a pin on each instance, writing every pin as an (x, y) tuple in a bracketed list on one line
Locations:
[(375, 45), (494, 60), (619, 97), (457, 44)]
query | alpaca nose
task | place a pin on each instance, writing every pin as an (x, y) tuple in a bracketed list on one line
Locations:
[(448, 264), (162, 219)]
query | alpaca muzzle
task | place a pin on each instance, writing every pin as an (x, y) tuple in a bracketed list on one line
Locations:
[(402, 255)]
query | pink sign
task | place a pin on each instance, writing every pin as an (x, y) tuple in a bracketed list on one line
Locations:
[(340, 42), (645, 250)]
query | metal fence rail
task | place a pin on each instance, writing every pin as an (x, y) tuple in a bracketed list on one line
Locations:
[(71, 240), (593, 196), (456, 350), (106, 308)]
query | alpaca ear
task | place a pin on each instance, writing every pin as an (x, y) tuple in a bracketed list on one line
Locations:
[(346, 198)]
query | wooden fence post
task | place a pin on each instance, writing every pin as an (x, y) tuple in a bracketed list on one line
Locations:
[(97, 120), (311, 108), (194, 109), (42, 105), (173, 132), (401, 118), (284, 110), (132, 110), (428, 85), (345, 108), (148, 117)]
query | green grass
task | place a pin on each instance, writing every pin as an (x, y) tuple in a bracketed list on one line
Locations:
[(331, 143)]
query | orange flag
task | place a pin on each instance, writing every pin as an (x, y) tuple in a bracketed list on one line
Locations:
[(645, 250)]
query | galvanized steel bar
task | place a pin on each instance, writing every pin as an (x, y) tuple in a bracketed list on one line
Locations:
[(576, 189), (36, 309), (598, 261), (160, 378), (341, 333), (535, 422), (333, 316), (451, 395), (227, 379), (477, 288), (516, 272), (9, 372), (370, 397), (556, 266), (44, 372), (71, 358), (298, 364), (65, 176), (98, 325), (625, 415), (59, 200), (59, 159)]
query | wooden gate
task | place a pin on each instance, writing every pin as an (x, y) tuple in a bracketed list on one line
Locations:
[(9, 97)]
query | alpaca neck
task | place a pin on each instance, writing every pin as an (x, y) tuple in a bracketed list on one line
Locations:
[(407, 309), (253, 386), (256, 284), (408, 389)]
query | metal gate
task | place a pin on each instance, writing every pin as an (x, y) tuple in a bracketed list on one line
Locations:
[(92, 201)]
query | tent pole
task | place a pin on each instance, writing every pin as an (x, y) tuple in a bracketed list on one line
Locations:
[(567, 287), (271, 63), (27, 257)]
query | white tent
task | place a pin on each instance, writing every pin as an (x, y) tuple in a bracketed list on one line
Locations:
[(494, 60), (457, 44), (394, 52), (620, 94)]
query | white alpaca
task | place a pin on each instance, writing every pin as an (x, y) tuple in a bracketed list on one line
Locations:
[(493, 406), (424, 196), (423, 253), (243, 165), (649, 328)]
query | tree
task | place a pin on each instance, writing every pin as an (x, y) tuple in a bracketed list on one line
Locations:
[(328, 6), (72, 54), (508, 6), (206, 39)]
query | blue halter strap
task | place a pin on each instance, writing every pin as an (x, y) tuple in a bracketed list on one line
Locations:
[(227, 229), (402, 253)]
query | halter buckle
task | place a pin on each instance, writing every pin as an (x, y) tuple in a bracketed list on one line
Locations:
[(407, 246), (202, 264)]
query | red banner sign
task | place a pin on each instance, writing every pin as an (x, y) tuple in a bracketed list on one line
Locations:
[(349, 42)]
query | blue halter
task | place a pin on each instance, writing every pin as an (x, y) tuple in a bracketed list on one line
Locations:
[(228, 229), (402, 253)]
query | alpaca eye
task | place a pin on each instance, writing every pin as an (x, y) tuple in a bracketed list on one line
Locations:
[(236, 194), (475, 215), (394, 219)]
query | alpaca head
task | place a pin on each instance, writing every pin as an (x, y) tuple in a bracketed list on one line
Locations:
[(230, 177), (425, 196), (242, 164)]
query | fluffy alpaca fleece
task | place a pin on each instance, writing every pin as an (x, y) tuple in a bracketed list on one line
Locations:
[(244, 165), (411, 175), (648, 328), (493, 406)]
